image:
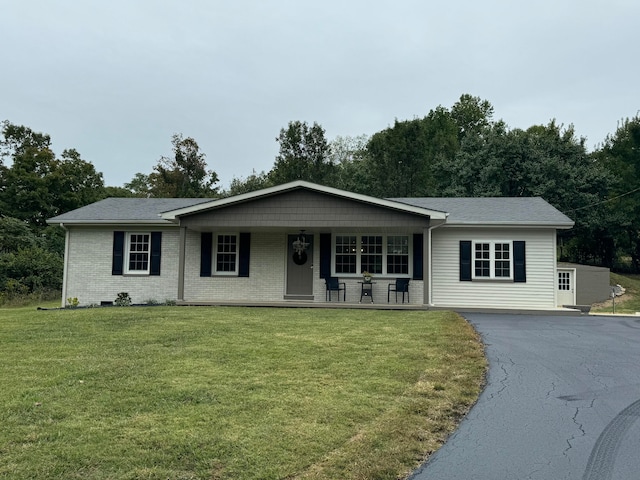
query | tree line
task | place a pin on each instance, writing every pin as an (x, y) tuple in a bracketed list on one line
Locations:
[(457, 151)]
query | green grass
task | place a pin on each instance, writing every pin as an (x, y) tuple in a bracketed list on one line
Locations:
[(629, 302), (230, 393)]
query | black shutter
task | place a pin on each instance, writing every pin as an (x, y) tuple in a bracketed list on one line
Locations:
[(117, 261), (244, 252), (206, 250), (325, 255), (465, 260), (418, 263), (156, 251), (519, 262)]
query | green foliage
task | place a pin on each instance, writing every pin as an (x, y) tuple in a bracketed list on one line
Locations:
[(402, 157), (73, 302), (303, 155), (254, 182), (122, 300), (32, 268), (38, 185), (620, 154), (183, 176)]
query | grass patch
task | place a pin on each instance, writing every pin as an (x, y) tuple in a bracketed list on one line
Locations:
[(627, 303), (230, 393)]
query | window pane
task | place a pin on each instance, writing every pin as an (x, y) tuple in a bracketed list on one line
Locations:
[(371, 258), (482, 264), (139, 252), (346, 254), (226, 253), (503, 260), (398, 254)]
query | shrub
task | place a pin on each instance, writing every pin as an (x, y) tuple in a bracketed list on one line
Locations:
[(123, 300)]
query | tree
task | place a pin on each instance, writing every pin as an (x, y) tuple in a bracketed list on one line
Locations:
[(472, 115), (38, 185), (139, 186), (303, 155), (254, 182), (401, 158), (185, 175), (620, 154), (546, 161), (349, 157)]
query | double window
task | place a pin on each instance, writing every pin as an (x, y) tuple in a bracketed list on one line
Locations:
[(377, 254), (492, 260)]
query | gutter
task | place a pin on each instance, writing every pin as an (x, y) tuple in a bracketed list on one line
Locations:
[(65, 264)]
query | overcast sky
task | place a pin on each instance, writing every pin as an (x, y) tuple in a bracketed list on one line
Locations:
[(116, 79)]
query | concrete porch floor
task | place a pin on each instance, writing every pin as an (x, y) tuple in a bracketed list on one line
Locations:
[(309, 304)]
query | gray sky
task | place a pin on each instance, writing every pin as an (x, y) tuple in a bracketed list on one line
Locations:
[(115, 80)]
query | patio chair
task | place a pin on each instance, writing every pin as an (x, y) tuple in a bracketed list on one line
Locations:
[(401, 285), (335, 285)]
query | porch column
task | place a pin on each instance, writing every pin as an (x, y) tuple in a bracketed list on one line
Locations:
[(426, 269), (181, 261)]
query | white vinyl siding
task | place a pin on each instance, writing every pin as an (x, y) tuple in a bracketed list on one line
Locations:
[(537, 292)]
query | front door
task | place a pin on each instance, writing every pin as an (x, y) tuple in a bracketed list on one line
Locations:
[(299, 267), (566, 287)]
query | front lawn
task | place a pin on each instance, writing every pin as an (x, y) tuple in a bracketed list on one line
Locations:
[(230, 393)]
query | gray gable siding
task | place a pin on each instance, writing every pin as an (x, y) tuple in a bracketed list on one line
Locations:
[(302, 208)]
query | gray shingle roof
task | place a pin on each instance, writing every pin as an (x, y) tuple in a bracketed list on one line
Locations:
[(493, 210), (126, 210), (462, 211)]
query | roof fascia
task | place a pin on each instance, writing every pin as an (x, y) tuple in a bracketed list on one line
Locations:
[(512, 224), (173, 215), (104, 223)]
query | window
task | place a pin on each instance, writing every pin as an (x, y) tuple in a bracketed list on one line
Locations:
[(564, 281), (138, 249), (377, 254), (346, 254), (492, 260), (226, 255), (371, 254), (398, 254)]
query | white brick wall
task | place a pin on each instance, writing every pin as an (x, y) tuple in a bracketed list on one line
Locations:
[(89, 269), (89, 275), (266, 273)]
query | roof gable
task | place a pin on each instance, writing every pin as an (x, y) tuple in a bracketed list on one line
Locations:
[(302, 185)]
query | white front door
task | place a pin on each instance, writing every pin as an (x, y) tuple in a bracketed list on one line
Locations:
[(566, 287)]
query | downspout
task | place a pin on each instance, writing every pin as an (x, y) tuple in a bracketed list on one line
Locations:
[(65, 264), (430, 257)]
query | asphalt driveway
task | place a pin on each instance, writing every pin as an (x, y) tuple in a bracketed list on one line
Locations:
[(562, 402)]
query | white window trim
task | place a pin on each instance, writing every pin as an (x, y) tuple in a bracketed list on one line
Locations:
[(214, 257), (384, 255), (492, 260), (127, 270)]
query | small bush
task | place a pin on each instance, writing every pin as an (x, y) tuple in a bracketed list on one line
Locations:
[(73, 302), (123, 300)]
